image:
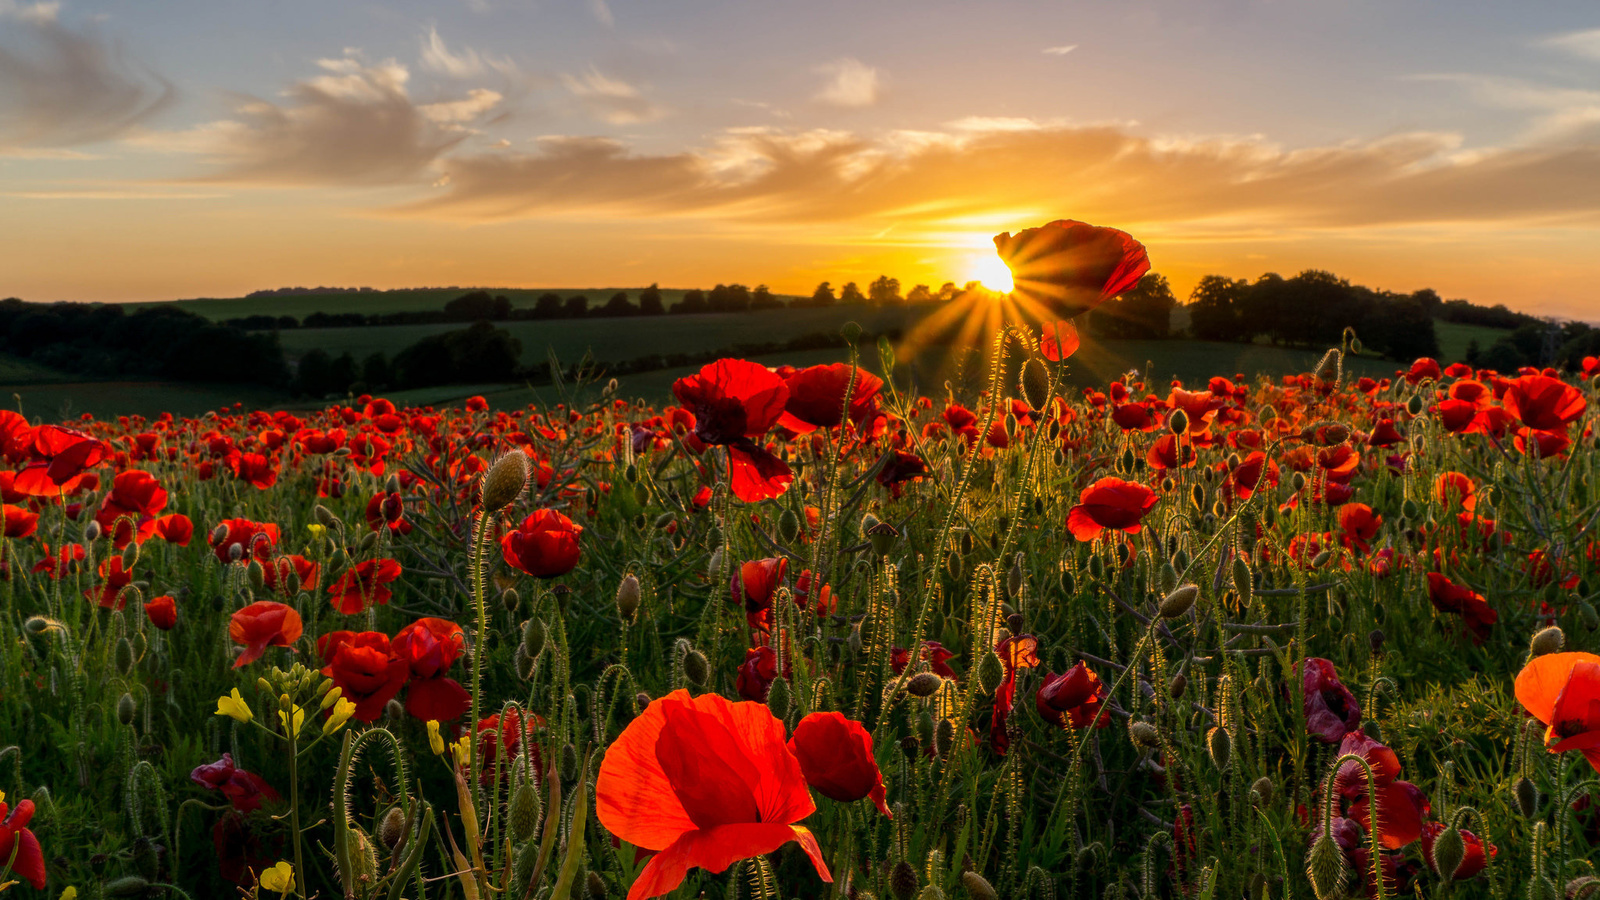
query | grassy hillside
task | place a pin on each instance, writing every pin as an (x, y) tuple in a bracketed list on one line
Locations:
[(1454, 337)]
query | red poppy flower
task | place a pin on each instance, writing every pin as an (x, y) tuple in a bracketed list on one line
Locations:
[(1358, 525), (1110, 503), (1199, 406), (363, 585), (1453, 489), (1339, 463), (899, 468), (1562, 690), (1401, 805), (136, 498), (734, 401), (263, 624), (835, 756), (1058, 340), (1071, 267), (1449, 597), (365, 669), (60, 456), (59, 564), (255, 539), (932, 651), (19, 522), (1385, 434), (1544, 403), (17, 839), (1543, 444), (387, 510), (429, 647), (174, 528), (1073, 699), (113, 578), (1472, 863), (1424, 368), (824, 604), (1252, 474), (163, 612), (545, 545), (245, 790), (705, 782), (1167, 452), (816, 397), (1016, 652), (1331, 711), (1134, 417), (757, 673), (275, 573)]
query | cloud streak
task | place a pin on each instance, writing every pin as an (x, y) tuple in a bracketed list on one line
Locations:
[(851, 84)]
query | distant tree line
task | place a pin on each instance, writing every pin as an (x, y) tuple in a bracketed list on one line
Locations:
[(1312, 309), (1539, 343), (883, 291), (106, 340)]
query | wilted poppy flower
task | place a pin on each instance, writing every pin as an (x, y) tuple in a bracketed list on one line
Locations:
[(1071, 267), (705, 782), (364, 668), (19, 845), (1474, 861), (816, 397), (1331, 711), (1544, 403), (363, 585), (429, 647), (163, 612), (735, 401), (1110, 503), (254, 539), (245, 790), (1073, 699), (263, 624), (545, 545), (1476, 614), (835, 755), (1562, 690)]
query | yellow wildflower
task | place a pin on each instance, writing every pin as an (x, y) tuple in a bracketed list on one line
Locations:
[(342, 711), (435, 742), (279, 878), (235, 707)]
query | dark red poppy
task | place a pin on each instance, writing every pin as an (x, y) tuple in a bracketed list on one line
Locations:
[(387, 510), (429, 647), (757, 673), (545, 545), (1402, 807), (1110, 503), (900, 468), (254, 539), (1424, 368), (364, 585), (276, 571), (19, 845), (1475, 612), (1455, 490), (1071, 267), (174, 528), (1073, 699), (19, 522), (1544, 403), (735, 401), (1358, 525), (1472, 863), (816, 397), (364, 668), (245, 790), (1167, 452), (1384, 434), (163, 612), (706, 782), (1331, 711), (263, 624), (1058, 340), (1541, 444), (1253, 473), (835, 756), (1562, 690), (136, 498)]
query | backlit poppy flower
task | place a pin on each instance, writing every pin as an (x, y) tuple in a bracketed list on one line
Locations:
[(1110, 503), (136, 499), (816, 397), (1424, 368), (1167, 452), (1016, 652), (1544, 403), (1401, 805), (163, 612), (835, 756), (545, 545), (705, 782), (263, 624), (19, 845), (1073, 699), (1473, 862), (19, 522), (757, 673), (1058, 340), (1199, 406), (1541, 444), (933, 652), (733, 402), (60, 564), (245, 790), (1384, 434), (276, 571), (900, 468), (1454, 489), (364, 667), (1562, 690), (387, 510), (753, 585), (174, 528), (1254, 473), (1358, 525), (254, 539), (1331, 711), (1071, 267), (113, 578), (1447, 596), (825, 602), (60, 456), (363, 585), (1353, 845), (429, 647)]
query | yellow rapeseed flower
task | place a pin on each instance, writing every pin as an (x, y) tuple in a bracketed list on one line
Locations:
[(235, 707), (342, 711), (71, 893), (299, 719), (435, 742), (462, 749), (317, 530), (279, 878)]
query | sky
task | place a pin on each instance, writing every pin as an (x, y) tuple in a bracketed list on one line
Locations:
[(164, 149)]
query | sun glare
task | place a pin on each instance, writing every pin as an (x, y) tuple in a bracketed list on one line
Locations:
[(992, 273)]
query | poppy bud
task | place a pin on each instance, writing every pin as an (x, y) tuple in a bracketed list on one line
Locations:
[(525, 664), (1179, 684), (505, 480), (714, 563), (91, 532), (1325, 866), (1178, 602), (1219, 743), (1069, 584), (628, 594), (1014, 577), (125, 709), (902, 880), (1197, 496), (1178, 422), (1591, 619), (533, 636), (257, 575), (788, 526), (953, 563), (522, 816), (1526, 796), (124, 656), (778, 698), (594, 885), (1143, 734), (1414, 405), (924, 684), (1321, 559), (851, 332), (944, 738), (1448, 852), (1035, 383), (368, 542), (235, 552), (1375, 641), (391, 828), (569, 762), (854, 640), (925, 727), (978, 887), (696, 668), (1262, 788), (1548, 640), (127, 886), (1168, 577), (991, 671), (393, 712)]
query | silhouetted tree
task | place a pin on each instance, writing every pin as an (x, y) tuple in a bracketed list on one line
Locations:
[(1216, 309), (618, 305), (823, 295), (884, 290), (694, 301), (919, 294), (576, 307), (761, 298), (548, 306), (375, 371), (314, 374), (342, 373), (650, 301), (851, 294)]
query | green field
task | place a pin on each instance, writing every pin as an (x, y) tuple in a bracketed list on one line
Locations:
[(418, 300), (1454, 337)]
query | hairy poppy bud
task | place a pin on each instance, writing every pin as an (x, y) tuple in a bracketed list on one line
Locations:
[(505, 480), (1178, 685), (778, 698), (126, 708), (569, 762), (1143, 734), (1243, 580), (1262, 787), (924, 684), (991, 671), (595, 885), (1219, 743), (903, 880), (953, 563), (124, 656), (1547, 640), (1586, 612), (522, 816), (1526, 797), (1069, 583), (628, 595), (235, 552), (944, 738), (1325, 866), (1167, 578), (714, 563), (1321, 559), (788, 526), (533, 636), (1014, 577), (526, 665), (1197, 495), (1414, 405), (978, 887), (1448, 852), (851, 332), (1178, 602), (1034, 383), (696, 668), (127, 886), (1178, 422), (925, 727), (392, 827)]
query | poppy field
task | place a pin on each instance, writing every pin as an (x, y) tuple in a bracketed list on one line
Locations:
[(804, 634)]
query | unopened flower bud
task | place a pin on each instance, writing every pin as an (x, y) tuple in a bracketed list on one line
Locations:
[(1143, 734), (1178, 602), (978, 887), (628, 594), (924, 684), (125, 709), (1326, 868), (1449, 850), (1262, 787), (1548, 640), (1526, 797), (696, 668), (505, 480)]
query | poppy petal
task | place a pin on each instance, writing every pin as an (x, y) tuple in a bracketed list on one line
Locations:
[(1542, 680), (439, 699), (715, 849), (756, 474)]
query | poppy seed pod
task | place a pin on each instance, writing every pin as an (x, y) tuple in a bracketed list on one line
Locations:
[(505, 480), (1178, 602), (1547, 640), (628, 594), (882, 537), (1143, 734), (1326, 868)]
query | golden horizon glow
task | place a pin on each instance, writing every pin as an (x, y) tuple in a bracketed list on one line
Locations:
[(991, 272)]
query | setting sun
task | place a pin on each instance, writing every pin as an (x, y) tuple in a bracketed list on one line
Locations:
[(991, 272)]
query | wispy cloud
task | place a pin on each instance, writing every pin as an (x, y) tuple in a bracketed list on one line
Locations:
[(851, 83), (1061, 50), (612, 99), (602, 12), (1579, 43), (437, 57)]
